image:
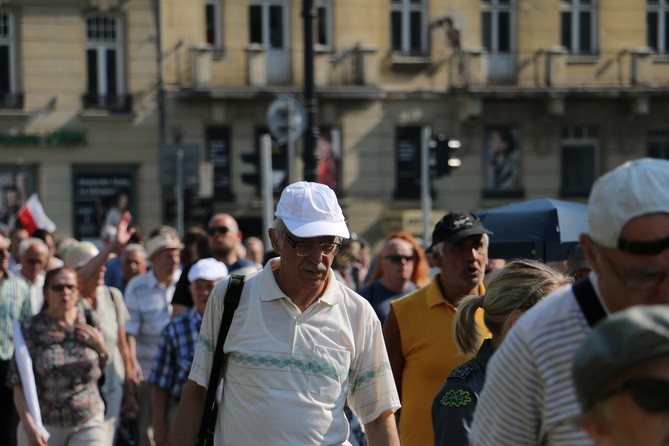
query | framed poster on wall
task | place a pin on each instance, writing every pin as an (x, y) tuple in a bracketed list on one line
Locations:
[(101, 195), (17, 183), (501, 162)]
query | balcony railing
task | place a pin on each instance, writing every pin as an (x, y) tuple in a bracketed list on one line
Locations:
[(110, 103), (554, 67), (11, 100), (202, 67)]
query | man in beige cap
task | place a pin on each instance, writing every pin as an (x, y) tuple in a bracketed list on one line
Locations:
[(148, 297), (621, 375), (529, 396), (301, 343)]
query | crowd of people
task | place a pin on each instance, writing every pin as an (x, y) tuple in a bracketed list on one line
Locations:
[(335, 343)]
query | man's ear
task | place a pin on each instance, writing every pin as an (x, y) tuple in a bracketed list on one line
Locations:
[(589, 248), (597, 428), (274, 240)]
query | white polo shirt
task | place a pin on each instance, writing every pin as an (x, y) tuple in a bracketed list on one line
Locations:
[(289, 373)]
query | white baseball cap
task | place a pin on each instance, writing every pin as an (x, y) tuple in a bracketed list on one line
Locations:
[(207, 269), (633, 189), (311, 210)]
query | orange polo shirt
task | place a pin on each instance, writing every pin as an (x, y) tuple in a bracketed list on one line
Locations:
[(425, 321)]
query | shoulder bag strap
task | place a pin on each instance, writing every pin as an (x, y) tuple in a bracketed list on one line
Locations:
[(232, 296), (587, 299)]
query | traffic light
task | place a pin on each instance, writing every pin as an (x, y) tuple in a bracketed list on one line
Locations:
[(443, 155), (252, 179)]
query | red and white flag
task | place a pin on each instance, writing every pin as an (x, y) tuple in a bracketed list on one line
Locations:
[(32, 216)]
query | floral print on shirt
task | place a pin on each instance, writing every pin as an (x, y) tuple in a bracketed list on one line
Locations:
[(66, 372)]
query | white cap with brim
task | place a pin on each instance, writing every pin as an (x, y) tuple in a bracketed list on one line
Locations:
[(311, 210), (207, 269), (635, 188)]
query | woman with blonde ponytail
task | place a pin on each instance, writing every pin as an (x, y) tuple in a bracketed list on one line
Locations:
[(510, 291)]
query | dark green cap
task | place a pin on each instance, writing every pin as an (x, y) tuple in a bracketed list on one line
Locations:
[(618, 343)]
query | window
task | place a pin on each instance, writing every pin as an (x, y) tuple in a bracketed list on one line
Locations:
[(657, 20), (658, 145), (579, 26), (579, 160), (496, 25), (218, 154), (408, 163), (212, 13), (266, 25), (408, 27), (8, 96), (104, 64), (323, 25)]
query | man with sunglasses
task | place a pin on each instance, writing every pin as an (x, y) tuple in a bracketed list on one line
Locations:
[(300, 346), (626, 247), (396, 261), (621, 375), (418, 327), (223, 235)]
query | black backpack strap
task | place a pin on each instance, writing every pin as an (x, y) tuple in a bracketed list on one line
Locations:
[(587, 299), (232, 296)]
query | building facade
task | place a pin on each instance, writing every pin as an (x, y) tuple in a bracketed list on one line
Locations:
[(544, 95), (78, 112)]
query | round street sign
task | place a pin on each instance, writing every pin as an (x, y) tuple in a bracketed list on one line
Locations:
[(286, 119)]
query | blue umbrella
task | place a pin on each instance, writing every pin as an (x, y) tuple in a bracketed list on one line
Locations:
[(544, 228)]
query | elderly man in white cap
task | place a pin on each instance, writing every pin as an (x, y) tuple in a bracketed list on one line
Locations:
[(177, 347), (148, 297), (299, 346), (529, 396)]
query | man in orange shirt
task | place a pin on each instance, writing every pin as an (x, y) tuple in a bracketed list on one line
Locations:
[(418, 328)]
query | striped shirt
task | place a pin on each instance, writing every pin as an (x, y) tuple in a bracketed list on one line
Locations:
[(529, 396), (175, 352), (14, 304), (150, 308)]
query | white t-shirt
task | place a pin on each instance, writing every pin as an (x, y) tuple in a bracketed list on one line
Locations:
[(288, 373)]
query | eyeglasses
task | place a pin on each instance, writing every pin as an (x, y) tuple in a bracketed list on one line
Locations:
[(651, 394), (637, 277), (218, 230), (398, 258), (304, 249), (60, 288)]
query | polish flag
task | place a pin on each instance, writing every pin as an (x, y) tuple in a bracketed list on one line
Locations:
[(32, 216)]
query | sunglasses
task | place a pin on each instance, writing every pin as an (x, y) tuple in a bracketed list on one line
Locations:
[(218, 230), (651, 394), (397, 258), (60, 288)]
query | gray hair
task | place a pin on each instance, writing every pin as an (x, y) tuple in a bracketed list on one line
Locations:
[(280, 227), (517, 286), (132, 247), (25, 244)]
